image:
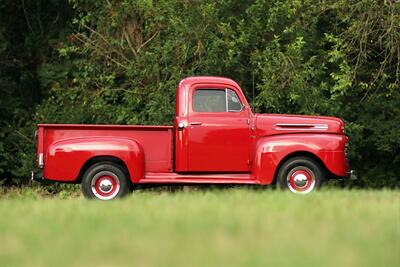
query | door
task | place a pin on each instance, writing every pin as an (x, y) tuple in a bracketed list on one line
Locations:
[(218, 132)]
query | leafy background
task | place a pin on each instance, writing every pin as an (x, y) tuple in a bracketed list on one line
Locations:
[(119, 62)]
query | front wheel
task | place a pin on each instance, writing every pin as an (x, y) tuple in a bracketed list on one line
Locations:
[(105, 181), (300, 175)]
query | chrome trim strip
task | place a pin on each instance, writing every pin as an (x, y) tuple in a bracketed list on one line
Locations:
[(305, 126), (226, 100)]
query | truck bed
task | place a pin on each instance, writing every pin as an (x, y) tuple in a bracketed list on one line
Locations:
[(156, 141)]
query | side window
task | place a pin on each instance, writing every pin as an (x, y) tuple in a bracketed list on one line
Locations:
[(234, 103), (216, 100), (209, 100)]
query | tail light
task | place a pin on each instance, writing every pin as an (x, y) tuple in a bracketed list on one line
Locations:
[(35, 137)]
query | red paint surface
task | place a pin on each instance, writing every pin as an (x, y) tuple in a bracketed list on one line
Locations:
[(271, 150), (68, 147), (212, 147)]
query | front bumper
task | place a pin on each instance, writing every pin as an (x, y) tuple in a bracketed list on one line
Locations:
[(37, 175), (352, 175)]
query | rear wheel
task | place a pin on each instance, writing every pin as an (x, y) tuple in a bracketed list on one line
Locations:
[(105, 181), (300, 175)]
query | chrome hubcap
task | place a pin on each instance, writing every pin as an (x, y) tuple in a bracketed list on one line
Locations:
[(301, 180), (106, 185)]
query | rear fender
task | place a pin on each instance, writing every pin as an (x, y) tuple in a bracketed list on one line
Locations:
[(73, 153), (270, 151)]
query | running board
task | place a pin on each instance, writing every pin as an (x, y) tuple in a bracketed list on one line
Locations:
[(231, 178)]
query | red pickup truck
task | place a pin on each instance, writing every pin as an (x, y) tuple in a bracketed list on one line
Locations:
[(215, 139)]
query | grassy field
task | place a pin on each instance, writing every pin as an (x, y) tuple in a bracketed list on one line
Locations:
[(231, 227)]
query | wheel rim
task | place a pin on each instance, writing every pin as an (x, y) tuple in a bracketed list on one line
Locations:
[(301, 180), (105, 185)]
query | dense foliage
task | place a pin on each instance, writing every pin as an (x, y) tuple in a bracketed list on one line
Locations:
[(90, 61)]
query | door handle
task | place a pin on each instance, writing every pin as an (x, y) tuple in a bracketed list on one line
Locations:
[(181, 125), (195, 123)]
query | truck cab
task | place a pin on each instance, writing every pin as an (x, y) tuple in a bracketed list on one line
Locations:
[(213, 127), (216, 138)]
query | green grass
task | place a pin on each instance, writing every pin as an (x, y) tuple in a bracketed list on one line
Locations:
[(233, 227)]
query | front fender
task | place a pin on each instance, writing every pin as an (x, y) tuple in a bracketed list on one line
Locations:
[(72, 154), (271, 150)]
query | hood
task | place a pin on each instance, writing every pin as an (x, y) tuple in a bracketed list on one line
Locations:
[(270, 124)]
